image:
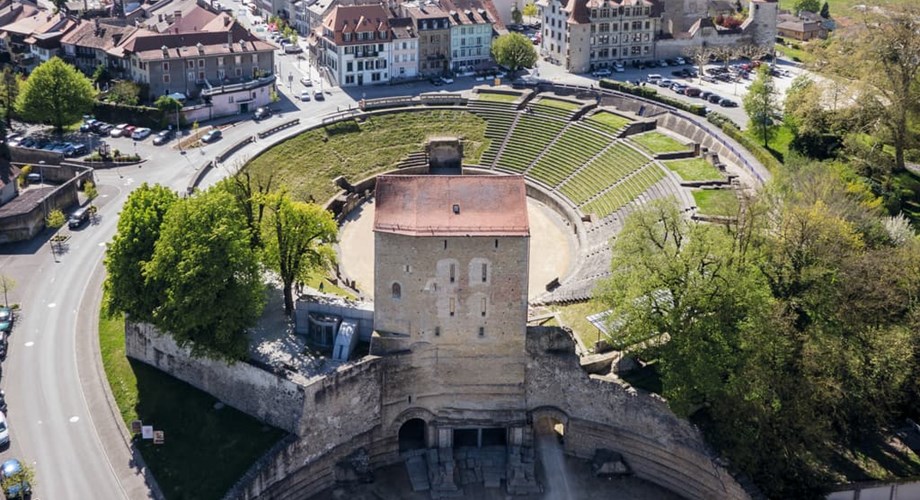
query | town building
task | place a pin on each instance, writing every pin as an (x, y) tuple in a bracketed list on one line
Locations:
[(471, 31), (433, 26), (33, 35), (804, 27), (405, 49), (585, 35), (355, 45), (99, 42)]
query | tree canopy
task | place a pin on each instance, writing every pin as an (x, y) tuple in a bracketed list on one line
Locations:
[(55, 93), (760, 104), (807, 5), (131, 249), (514, 51), (212, 289), (298, 241), (785, 334)]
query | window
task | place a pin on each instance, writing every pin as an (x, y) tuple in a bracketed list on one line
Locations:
[(408, 268), (453, 306), (445, 244), (220, 62), (482, 331), (396, 291), (485, 273), (238, 59), (201, 63), (437, 331), (496, 243), (166, 78), (453, 273), (166, 66), (482, 306), (255, 59), (239, 72), (190, 64)]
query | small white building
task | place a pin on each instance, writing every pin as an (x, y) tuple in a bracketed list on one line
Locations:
[(405, 49), (356, 45)]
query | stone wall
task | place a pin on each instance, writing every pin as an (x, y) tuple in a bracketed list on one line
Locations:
[(656, 444), (253, 391)]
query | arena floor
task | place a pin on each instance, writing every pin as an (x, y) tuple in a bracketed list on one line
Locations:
[(552, 247)]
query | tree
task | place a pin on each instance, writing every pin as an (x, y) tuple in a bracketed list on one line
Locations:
[(514, 51), (59, 5), (725, 53), (139, 227), (516, 16), (89, 189), (825, 10), (55, 219), (26, 475), (760, 104), (209, 274), (530, 10), (168, 104), (124, 92), (9, 91), (298, 241), (7, 285), (250, 197), (807, 5), (55, 93), (699, 56)]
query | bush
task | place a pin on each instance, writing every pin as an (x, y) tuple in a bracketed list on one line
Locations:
[(650, 93), (141, 116), (732, 130)]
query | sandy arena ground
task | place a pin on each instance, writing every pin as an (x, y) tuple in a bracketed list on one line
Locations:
[(552, 246)]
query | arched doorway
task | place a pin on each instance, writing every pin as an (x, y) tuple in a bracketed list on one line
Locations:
[(412, 435)]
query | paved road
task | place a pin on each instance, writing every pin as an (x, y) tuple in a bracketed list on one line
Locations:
[(59, 417)]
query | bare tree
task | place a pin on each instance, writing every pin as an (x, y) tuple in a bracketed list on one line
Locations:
[(725, 54), (699, 56), (7, 285)]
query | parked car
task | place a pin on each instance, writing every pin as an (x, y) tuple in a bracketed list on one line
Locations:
[(705, 94), (79, 149), (728, 103), (602, 72), (318, 95), (665, 82), (305, 95), (619, 68), (447, 80), (3, 402), (141, 133), (88, 125), (128, 131), (262, 113), (162, 137), (19, 487), (680, 61), (78, 218), (105, 129), (692, 92), (6, 319), (119, 130), (212, 136), (714, 98), (4, 437), (653, 78), (306, 82), (436, 82)]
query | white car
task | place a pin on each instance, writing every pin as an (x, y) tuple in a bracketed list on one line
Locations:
[(619, 68), (680, 61), (118, 130), (305, 95), (4, 430), (306, 82), (141, 133), (447, 80), (602, 72)]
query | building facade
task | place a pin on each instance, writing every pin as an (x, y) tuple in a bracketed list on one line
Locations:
[(356, 45), (405, 49), (432, 24), (470, 37)]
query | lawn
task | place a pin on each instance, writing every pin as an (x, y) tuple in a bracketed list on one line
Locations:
[(307, 163), (491, 96), (611, 120), (716, 202), (206, 450), (556, 103), (575, 316), (656, 142), (779, 142), (800, 54), (694, 169)]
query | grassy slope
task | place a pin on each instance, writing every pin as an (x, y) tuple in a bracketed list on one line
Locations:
[(556, 103), (206, 450), (694, 169), (307, 163), (716, 201), (656, 142), (491, 96), (613, 121)]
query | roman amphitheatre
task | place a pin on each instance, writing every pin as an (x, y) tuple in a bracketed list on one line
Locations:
[(531, 186)]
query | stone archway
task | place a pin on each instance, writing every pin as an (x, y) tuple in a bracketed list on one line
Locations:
[(412, 435)]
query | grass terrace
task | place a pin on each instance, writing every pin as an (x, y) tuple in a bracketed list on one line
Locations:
[(559, 104), (206, 449), (626, 191), (308, 162), (722, 202), (491, 96), (608, 122), (694, 169), (531, 135), (607, 169), (656, 142), (576, 146)]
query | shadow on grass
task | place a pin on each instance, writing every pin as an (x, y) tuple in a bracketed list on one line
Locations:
[(875, 458), (206, 449)]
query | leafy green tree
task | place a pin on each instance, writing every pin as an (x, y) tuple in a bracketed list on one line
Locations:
[(209, 274), (298, 241), (55, 93), (89, 189), (250, 195), (807, 5), (7, 285), (139, 227), (760, 104), (516, 16), (9, 91), (124, 92), (514, 51), (101, 75), (168, 104), (530, 10), (825, 10), (55, 219)]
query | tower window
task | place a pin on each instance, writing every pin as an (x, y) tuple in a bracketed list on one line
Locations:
[(445, 244), (485, 272), (397, 291), (496, 243), (482, 331), (437, 331), (453, 306), (453, 273), (482, 306)]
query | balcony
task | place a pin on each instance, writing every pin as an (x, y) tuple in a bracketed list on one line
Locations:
[(239, 86)]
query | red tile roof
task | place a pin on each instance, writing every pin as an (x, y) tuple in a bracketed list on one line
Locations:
[(451, 205), (357, 19)]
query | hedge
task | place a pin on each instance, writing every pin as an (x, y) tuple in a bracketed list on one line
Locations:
[(761, 153), (651, 93), (141, 116)]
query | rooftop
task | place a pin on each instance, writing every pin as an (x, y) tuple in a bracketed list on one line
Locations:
[(451, 205)]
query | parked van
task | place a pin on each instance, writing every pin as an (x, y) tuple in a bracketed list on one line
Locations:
[(78, 218), (653, 78)]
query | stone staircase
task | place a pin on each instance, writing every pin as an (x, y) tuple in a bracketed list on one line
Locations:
[(416, 159)]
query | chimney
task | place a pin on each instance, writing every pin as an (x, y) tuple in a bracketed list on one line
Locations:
[(242, 45), (229, 38), (177, 15), (160, 17), (165, 50), (200, 49), (226, 21)]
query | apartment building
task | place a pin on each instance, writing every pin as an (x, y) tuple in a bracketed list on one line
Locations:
[(356, 45), (471, 30), (433, 25), (405, 49)]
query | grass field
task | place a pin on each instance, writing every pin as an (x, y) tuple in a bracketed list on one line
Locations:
[(656, 142), (716, 202), (308, 163), (613, 121), (694, 169), (206, 449), (490, 96), (842, 7), (575, 316), (556, 103)]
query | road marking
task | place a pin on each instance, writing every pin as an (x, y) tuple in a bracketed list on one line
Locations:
[(102, 244), (39, 422), (29, 343), (74, 419), (51, 305)]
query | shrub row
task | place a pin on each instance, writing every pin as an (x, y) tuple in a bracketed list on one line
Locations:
[(141, 116), (732, 130), (649, 92)]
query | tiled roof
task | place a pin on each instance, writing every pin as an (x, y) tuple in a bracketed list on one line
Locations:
[(357, 19), (451, 205)]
